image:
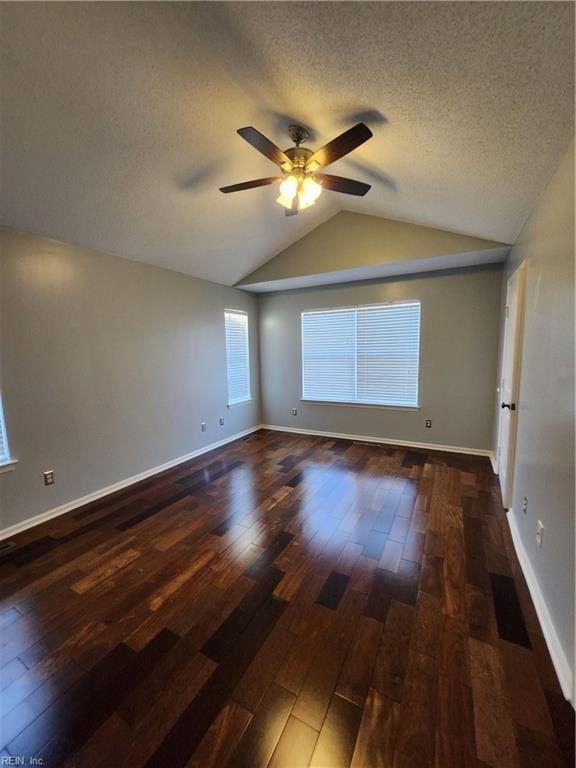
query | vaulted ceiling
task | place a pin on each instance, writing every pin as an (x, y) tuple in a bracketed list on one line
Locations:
[(119, 119)]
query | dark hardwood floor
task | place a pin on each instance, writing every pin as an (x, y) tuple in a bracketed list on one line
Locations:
[(283, 602)]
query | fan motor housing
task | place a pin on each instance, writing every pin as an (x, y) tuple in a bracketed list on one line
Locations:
[(299, 156)]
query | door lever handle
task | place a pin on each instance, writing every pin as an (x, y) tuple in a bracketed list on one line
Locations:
[(511, 406)]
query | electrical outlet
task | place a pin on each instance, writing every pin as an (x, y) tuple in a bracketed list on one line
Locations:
[(203, 427), (48, 477), (524, 505), (221, 421), (428, 423), (294, 411), (539, 533)]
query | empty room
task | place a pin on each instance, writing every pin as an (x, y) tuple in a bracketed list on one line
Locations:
[(287, 423)]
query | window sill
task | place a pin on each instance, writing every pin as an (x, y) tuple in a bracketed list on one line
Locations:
[(363, 405), (242, 402), (8, 466)]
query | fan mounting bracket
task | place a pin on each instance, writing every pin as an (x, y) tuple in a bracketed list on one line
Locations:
[(298, 134)]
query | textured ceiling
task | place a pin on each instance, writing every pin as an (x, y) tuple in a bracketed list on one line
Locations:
[(119, 119)]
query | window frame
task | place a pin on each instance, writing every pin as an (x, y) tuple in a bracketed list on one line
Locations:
[(249, 398), (7, 461), (359, 403)]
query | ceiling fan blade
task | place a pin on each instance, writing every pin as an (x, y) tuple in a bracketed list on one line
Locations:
[(340, 146), (340, 184), (251, 184), (266, 147)]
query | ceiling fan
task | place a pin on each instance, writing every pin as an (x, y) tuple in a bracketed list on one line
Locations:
[(301, 185)]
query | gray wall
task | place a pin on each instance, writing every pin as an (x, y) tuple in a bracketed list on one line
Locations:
[(108, 368), (352, 242), (458, 359), (544, 470)]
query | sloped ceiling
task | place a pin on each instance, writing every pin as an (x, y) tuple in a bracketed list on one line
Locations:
[(119, 119), (352, 246)]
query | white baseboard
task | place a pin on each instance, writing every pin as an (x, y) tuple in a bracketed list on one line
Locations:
[(75, 503), (494, 462), (382, 441), (559, 659)]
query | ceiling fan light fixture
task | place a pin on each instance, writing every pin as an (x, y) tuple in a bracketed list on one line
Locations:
[(288, 191), (309, 192), (300, 185), (289, 187), (305, 187)]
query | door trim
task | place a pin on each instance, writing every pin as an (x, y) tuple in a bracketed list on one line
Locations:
[(507, 492)]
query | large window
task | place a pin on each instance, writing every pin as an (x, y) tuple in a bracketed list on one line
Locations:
[(362, 354), (237, 356)]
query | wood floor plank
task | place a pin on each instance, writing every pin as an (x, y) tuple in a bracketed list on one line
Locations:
[(509, 617), (261, 672), (454, 574), (295, 747), (376, 742), (391, 556), (427, 629), (337, 738), (356, 673), (314, 698), (528, 701), (494, 729), (454, 654), (263, 734), (185, 736), (333, 590), (538, 751), (296, 664), (392, 658), (283, 600), (221, 738), (415, 743)]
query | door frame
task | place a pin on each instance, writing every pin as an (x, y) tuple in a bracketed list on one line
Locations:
[(507, 485)]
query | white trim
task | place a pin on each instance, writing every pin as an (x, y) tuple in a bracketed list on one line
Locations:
[(362, 405), (70, 505), (8, 465), (382, 440), (559, 659), (494, 462), (240, 402), (511, 357)]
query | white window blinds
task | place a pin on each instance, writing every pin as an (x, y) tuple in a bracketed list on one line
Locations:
[(362, 355), (329, 355), (4, 452), (237, 356)]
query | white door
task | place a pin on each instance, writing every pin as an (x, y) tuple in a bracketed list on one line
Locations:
[(510, 383)]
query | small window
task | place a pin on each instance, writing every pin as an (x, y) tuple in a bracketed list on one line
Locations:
[(237, 356), (4, 450), (365, 355)]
